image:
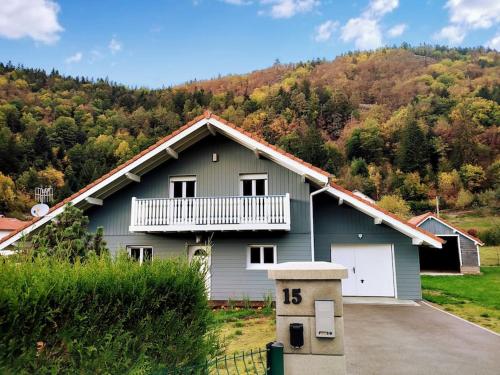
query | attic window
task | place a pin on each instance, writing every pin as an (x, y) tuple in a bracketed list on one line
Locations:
[(253, 184), (183, 187)]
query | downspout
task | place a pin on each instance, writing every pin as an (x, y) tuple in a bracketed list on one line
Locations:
[(311, 213)]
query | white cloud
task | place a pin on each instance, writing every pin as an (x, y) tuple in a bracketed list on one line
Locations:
[(77, 57), (474, 14), (494, 43), (467, 15), (397, 30), (325, 30), (377, 8), (288, 8), (115, 45), (452, 34), (364, 32), (36, 19), (279, 8)]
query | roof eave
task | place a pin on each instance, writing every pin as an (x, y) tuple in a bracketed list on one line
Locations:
[(398, 224)]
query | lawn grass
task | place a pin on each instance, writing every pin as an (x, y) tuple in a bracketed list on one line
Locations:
[(490, 255), (245, 329), (472, 297)]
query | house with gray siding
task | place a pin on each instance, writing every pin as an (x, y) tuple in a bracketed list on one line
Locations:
[(460, 252), (213, 191)]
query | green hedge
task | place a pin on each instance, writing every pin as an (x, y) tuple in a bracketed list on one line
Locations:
[(102, 316), (491, 236)]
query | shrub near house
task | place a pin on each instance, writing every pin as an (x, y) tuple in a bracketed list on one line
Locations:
[(101, 316), (89, 313)]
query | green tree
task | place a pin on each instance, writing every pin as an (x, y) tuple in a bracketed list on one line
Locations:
[(359, 168), (12, 117), (366, 143), (313, 150), (41, 147), (473, 176), (68, 237), (413, 150), (65, 132)]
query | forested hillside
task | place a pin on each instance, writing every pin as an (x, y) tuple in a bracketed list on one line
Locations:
[(408, 123)]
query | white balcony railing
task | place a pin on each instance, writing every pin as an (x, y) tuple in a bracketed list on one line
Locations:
[(270, 212)]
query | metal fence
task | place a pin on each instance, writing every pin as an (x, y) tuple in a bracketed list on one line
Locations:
[(268, 361)]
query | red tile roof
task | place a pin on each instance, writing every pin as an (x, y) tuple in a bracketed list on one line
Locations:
[(417, 220), (8, 223), (208, 115)]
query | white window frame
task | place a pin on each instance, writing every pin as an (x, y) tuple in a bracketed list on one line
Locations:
[(261, 265), (182, 179), (141, 251), (253, 177)]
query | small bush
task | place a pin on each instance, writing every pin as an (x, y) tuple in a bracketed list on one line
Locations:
[(464, 199), (491, 237), (396, 205), (102, 315)]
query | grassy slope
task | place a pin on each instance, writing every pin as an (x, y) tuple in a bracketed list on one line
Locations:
[(473, 297), (472, 220)]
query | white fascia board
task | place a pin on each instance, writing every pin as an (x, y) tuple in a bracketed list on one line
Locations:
[(387, 219), (274, 155), (455, 230), (160, 149)]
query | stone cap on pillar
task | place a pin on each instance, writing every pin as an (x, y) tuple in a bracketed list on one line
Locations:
[(307, 271)]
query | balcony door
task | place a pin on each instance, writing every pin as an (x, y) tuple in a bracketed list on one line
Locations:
[(182, 187), (254, 187)]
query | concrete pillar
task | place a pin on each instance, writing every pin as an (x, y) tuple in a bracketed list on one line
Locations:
[(305, 293)]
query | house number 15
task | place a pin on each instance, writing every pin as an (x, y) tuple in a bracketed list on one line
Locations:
[(296, 297)]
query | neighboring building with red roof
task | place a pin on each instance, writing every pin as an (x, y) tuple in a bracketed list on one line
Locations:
[(212, 189), (460, 253), (9, 225)]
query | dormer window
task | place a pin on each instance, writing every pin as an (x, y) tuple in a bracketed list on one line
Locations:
[(253, 184)]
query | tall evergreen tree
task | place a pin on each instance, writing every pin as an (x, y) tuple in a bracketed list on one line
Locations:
[(413, 151), (41, 147)]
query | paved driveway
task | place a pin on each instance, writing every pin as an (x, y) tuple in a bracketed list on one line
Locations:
[(396, 339)]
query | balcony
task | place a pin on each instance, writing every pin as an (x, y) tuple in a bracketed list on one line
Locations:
[(269, 212)]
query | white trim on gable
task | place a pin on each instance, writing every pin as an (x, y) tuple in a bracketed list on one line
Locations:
[(455, 230), (270, 153), (384, 218)]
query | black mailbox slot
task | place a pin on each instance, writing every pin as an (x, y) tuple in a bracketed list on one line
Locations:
[(297, 335)]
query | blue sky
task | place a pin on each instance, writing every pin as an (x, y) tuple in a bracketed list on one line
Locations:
[(165, 42)]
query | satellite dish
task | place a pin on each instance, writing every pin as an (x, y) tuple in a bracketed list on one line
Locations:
[(39, 210)]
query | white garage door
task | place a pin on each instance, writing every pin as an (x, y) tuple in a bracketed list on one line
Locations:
[(370, 269)]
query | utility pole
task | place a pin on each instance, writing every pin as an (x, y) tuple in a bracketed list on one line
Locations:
[(437, 205)]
